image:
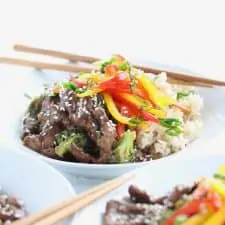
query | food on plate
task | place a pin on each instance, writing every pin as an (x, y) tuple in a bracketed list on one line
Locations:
[(201, 203), (11, 209), (116, 114)]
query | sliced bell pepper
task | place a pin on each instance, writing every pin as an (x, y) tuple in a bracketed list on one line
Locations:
[(90, 92), (134, 111), (191, 208), (218, 187), (114, 111), (217, 218), (154, 93), (91, 76), (142, 92), (140, 103), (148, 117), (199, 219), (111, 70), (120, 129)]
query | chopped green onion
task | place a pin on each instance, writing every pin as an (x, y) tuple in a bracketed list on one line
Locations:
[(169, 122), (70, 86), (173, 131), (135, 121), (172, 125), (184, 94)]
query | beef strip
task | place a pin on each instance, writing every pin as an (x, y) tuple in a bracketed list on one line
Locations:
[(143, 208), (119, 213), (139, 196), (65, 112)]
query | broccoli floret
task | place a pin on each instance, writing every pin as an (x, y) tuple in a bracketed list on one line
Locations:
[(124, 148), (64, 140), (64, 146)]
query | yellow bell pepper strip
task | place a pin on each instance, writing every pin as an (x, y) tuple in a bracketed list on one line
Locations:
[(141, 103), (91, 76), (114, 111), (90, 92), (218, 187), (198, 219), (154, 93), (196, 206), (217, 218)]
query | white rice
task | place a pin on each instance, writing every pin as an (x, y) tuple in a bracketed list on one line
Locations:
[(154, 137)]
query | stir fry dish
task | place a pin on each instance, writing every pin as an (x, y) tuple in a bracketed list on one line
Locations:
[(11, 209), (116, 114), (201, 203)]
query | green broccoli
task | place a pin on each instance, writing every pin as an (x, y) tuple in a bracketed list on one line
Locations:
[(64, 146), (124, 148), (65, 139)]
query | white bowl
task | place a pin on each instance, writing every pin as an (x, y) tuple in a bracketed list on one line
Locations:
[(213, 116), (157, 179), (28, 178)]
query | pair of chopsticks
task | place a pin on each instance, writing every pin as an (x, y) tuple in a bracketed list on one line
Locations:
[(61, 211), (173, 77)]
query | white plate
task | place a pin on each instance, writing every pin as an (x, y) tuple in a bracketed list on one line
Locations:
[(213, 116), (31, 180), (158, 179)]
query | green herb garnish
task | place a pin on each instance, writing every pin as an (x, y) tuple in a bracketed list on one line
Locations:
[(70, 86), (169, 122), (172, 125), (173, 131), (184, 94), (135, 121)]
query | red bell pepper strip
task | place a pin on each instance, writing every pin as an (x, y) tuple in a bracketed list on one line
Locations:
[(120, 127), (148, 117), (133, 110), (189, 209)]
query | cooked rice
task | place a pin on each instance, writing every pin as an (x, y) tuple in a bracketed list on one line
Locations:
[(154, 136)]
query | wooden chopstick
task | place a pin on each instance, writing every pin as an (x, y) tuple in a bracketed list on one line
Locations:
[(53, 53), (43, 65), (70, 206), (88, 59), (75, 68), (186, 83)]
